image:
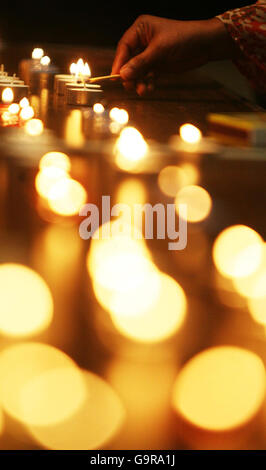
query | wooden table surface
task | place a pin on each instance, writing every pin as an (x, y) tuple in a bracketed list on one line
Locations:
[(142, 375)]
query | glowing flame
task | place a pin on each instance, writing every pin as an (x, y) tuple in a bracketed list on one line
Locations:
[(37, 53), (190, 134), (87, 70), (98, 108), (31, 309), (24, 103), (220, 388), (82, 70), (14, 108), (34, 127), (6, 117), (73, 68), (238, 251), (26, 113), (120, 116), (45, 60), (7, 95)]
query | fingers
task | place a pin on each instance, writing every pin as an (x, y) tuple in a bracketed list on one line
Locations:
[(139, 65), (126, 48), (143, 87)]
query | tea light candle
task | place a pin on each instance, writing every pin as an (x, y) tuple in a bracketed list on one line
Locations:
[(79, 72), (26, 65), (60, 81), (191, 141), (19, 91), (38, 70), (83, 95)]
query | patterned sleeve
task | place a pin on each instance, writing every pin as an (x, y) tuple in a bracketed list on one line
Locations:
[(247, 26)]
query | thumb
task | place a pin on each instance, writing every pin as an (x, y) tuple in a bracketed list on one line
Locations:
[(140, 64)]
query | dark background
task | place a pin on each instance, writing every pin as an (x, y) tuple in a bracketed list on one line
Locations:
[(93, 22)]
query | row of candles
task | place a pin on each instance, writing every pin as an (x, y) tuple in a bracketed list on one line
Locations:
[(144, 304)]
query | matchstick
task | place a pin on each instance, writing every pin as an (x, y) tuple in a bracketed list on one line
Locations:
[(104, 78)]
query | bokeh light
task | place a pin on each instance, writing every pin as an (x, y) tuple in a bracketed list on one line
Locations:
[(41, 384), (47, 177), (130, 149), (26, 304), (237, 251), (34, 127), (94, 423), (197, 201), (172, 178), (7, 95), (66, 197), (220, 388), (45, 60), (14, 108), (26, 113), (37, 53), (254, 285), (190, 134), (73, 130), (157, 322), (257, 309), (55, 159), (24, 102), (120, 116), (98, 108)]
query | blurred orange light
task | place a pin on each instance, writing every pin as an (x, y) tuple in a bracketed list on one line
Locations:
[(66, 197), (34, 127), (30, 310), (190, 134), (7, 95), (237, 251), (220, 388), (197, 200)]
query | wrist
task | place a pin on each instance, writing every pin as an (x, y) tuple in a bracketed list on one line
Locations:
[(217, 41)]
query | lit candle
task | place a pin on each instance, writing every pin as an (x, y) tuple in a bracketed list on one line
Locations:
[(19, 91), (191, 141), (83, 95), (79, 72), (61, 79), (37, 71)]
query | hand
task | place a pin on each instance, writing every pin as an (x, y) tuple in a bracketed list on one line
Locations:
[(154, 44)]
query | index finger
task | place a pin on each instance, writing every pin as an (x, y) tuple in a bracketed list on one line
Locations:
[(127, 45)]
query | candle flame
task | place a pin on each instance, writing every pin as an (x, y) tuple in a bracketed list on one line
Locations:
[(13, 108), (98, 108), (45, 60), (81, 69), (73, 68), (24, 102), (34, 127), (190, 134), (37, 53), (87, 70), (7, 95), (26, 113)]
